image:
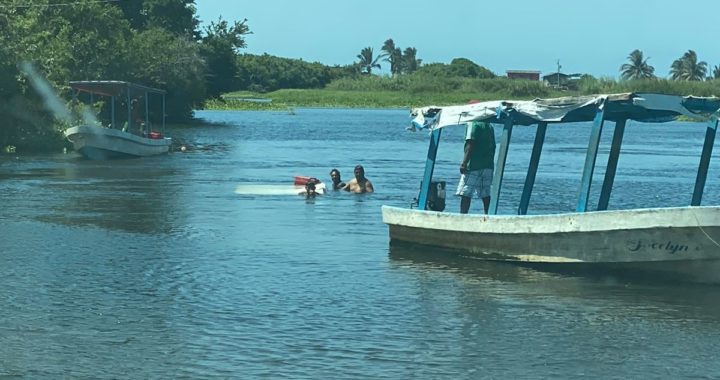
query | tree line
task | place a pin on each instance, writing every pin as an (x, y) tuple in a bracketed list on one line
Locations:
[(157, 43), (685, 68)]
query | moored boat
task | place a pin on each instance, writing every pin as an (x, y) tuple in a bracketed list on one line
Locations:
[(675, 240), (136, 137)]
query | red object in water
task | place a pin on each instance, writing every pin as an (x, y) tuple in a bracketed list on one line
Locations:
[(301, 180), (155, 135)]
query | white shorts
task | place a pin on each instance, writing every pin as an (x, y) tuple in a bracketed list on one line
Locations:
[(476, 181)]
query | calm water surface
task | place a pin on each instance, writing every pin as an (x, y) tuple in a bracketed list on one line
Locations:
[(156, 268)]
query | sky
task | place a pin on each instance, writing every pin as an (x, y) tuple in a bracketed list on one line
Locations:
[(586, 37)]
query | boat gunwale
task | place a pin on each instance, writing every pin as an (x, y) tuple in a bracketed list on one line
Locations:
[(593, 221)]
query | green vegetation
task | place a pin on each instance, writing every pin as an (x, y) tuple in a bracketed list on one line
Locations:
[(688, 68), (638, 68), (152, 42), (406, 92)]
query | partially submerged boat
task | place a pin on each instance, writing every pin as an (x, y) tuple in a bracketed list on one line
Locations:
[(683, 242), (135, 137)]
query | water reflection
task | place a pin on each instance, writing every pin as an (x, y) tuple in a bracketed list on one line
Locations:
[(135, 195), (618, 292)]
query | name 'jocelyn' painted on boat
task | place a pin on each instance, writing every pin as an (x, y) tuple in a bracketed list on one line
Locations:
[(669, 246)]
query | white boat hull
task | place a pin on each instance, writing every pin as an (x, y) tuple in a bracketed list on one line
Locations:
[(105, 143), (683, 240)]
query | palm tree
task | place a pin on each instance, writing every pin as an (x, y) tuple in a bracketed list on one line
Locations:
[(716, 72), (688, 68), (410, 63), (367, 62), (638, 67), (392, 55)]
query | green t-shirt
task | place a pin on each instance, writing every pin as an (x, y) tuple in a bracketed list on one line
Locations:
[(483, 154)]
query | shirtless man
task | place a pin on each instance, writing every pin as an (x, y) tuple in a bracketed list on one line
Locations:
[(359, 184), (337, 183)]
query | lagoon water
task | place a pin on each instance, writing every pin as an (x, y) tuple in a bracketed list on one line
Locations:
[(157, 268)]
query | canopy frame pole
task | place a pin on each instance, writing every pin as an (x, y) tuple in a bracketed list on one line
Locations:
[(429, 168), (532, 168), (163, 114), (609, 180), (590, 157), (112, 111), (129, 110), (704, 161), (500, 164), (147, 114)]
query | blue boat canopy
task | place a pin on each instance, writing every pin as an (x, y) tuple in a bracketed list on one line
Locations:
[(645, 107)]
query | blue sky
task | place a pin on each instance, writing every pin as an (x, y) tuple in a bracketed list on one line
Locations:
[(593, 37)]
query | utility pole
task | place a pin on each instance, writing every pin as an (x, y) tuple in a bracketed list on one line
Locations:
[(558, 73)]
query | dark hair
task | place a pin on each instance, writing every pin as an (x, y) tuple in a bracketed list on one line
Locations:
[(360, 167), (334, 170)]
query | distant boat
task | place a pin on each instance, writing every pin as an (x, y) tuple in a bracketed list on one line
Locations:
[(678, 242), (136, 137)]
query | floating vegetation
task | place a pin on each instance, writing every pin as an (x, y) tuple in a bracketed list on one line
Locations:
[(243, 104)]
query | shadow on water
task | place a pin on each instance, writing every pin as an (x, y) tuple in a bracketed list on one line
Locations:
[(606, 286), (138, 195)]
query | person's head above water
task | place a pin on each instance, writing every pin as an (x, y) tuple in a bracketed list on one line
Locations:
[(335, 175), (310, 191), (359, 172)]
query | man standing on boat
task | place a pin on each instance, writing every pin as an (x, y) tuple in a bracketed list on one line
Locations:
[(477, 165)]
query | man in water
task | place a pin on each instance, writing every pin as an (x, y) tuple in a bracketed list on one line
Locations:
[(359, 184), (337, 183), (477, 166)]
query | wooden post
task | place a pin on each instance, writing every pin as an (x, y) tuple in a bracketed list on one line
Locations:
[(532, 169), (590, 157), (704, 162), (612, 164), (500, 165), (429, 168)]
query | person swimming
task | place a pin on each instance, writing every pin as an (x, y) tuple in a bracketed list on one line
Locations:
[(359, 184), (337, 183), (313, 188)]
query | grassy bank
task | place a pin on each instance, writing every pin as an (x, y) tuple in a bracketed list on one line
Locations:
[(408, 92)]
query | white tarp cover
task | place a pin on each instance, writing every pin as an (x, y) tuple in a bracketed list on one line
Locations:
[(634, 106)]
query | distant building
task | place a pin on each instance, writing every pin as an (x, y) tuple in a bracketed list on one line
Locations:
[(560, 80), (556, 79), (523, 74)]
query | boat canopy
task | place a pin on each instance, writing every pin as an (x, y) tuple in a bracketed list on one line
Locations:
[(132, 92), (645, 107), (111, 87), (618, 108)]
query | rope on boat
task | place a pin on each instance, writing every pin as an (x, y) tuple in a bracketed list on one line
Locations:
[(703, 230)]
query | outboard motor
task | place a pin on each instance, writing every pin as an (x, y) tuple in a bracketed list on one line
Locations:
[(436, 196)]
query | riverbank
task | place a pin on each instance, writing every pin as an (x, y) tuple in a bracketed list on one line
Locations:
[(409, 92), (321, 98)]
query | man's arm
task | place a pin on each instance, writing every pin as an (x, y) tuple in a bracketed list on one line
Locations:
[(466, 157), (369, 187)]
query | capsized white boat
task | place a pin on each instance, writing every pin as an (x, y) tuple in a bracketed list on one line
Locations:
[(683, 242), (136, 137)]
